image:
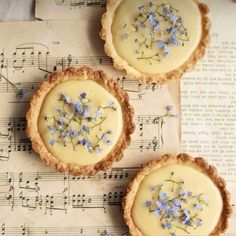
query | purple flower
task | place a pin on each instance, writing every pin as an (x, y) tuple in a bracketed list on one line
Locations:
[(86, 111), (162, 205), (99, 150), (83, 95), (166, 12), (147, 203), (166, 50), (176, 206), (66, 99), (89, 147), (104, 138), (73, 134), (51, 130), (61, 122), (79, 133), (110, 102), (169, 108), (58, 110), (20, 93), (64, 134), (189, 194), (77, 107), (163, 196), (86, 129), (160, 44), (166, 225), (157, 212), (198, 206), (156, 26), (174, 41), (186, 214), (174, 18), (52, 142), (187, 222), (151, 18), (83, 142), (198, 222)]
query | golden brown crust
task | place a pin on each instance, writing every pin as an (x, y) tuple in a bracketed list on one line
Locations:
[(77, 74), (121, 64), (197, 163)]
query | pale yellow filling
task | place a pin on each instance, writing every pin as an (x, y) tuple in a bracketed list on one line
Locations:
[(99, 97), (126, 48), (195, 181)]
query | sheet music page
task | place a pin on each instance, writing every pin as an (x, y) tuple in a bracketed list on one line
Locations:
[(34, 199), (208, 100), (69, 9)]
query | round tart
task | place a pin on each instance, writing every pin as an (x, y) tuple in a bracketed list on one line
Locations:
[(155, 40), (177, 196), (80, 121)]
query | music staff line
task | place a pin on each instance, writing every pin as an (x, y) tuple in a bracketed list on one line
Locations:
[(118, 230), (28, 180), (13, 138), (24, 145), (49, 64), (130, 86), (60, 201)]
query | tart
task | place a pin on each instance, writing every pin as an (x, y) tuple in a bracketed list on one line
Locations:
[(155, 40), (177, 196), (80, 121)]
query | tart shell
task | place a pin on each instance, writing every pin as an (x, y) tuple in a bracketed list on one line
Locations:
[(198, 163), (84, 73), (121, 64)]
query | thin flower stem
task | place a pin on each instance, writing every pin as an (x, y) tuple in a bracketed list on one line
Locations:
[(163, 216), (173, 181), (92, 127), (178, 227)]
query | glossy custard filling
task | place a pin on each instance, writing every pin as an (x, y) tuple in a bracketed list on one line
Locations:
[(177, 200), (156, 36), (80, 122)]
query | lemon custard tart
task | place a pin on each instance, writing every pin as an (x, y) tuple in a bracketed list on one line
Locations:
[(177, 196), (155, 40), (80, 121)]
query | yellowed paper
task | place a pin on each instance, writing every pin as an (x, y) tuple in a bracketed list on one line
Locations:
[(208, 97), (34, 199), (70, 9)]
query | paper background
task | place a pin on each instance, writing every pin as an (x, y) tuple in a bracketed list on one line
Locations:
[(24, 173)]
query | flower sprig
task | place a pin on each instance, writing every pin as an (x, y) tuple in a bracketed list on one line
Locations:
[(161, 120), (78, 123), (157, 28), (180, 209)]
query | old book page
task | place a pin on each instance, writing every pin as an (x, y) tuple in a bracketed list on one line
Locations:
[(208, 100), (34, 199), (69, 9)]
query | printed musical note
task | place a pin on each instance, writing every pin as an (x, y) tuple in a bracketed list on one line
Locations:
[(118, 230), (3, 229), (30, 191), (24, 57), (13, 138), (60, 201)]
